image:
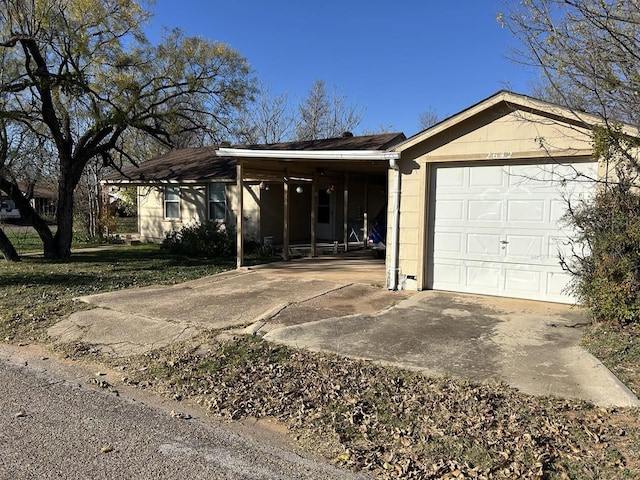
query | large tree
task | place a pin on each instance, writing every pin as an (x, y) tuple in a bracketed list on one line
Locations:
[(588, 56), (79, 79)]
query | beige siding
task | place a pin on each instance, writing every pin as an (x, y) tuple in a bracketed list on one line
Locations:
[(411, 208), (517, 135), (514, 137), (193, 209)]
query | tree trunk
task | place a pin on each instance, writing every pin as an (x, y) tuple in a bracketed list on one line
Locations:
[(61, 245), (7, 248), (30, 215)]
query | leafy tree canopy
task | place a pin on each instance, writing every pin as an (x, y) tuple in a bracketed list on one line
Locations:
[(79, 80)]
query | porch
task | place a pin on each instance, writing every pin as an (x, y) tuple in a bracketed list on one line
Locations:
[(315, 200)]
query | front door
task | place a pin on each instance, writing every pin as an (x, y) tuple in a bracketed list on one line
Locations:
[(325, 227)]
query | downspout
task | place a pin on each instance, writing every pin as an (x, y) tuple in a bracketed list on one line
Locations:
[(392, 273)]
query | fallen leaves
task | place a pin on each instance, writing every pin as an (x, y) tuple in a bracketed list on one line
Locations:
[(390, 422)]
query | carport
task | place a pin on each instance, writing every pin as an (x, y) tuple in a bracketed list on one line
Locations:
[(315, 192)]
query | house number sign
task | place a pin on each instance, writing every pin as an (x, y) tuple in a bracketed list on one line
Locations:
[(498, 155)]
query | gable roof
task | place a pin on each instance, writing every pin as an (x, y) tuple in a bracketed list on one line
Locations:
[(510, 102)]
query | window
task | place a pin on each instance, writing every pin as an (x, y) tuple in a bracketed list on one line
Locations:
[(217, 202), (171, 202)]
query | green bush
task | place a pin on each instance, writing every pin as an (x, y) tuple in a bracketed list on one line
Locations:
[(207, 239), (608, 277)]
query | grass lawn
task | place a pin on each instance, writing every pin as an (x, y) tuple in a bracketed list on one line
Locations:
[(36, 293), (385, 421), (25, 240)]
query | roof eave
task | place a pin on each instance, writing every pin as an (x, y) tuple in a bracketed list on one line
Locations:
[(325, 155), (515, 100)]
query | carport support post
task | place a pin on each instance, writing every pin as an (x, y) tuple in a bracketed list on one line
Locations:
[(314, 209), (365, 213), (345, 212), (285, 233), (239, 215)]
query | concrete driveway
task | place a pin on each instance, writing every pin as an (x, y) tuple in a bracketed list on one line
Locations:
[(339, 305)]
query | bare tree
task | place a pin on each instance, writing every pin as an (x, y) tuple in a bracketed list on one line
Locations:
[(325, 115), (269, 119), (588, 55), (428, 118)]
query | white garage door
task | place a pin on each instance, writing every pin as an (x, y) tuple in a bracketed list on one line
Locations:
[(495, 228)]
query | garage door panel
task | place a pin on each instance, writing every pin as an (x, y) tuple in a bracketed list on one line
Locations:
[(518, 278), (526, 247), (485, 211), (448, 274), (486, 176), (451, 178), (558, 208), (527, 211), (496, 231), (450, 244), (557, 283), (483, 275), (483, 244), (451, 210)]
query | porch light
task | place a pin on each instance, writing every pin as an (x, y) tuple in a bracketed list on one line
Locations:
[(263, 186), (331, 189), (299, 189)]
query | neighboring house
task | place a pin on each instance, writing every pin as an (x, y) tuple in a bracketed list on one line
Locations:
[(472, 204), (44, 200)]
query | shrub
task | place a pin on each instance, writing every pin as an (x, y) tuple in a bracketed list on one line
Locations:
[(207, 239), (608, 277)]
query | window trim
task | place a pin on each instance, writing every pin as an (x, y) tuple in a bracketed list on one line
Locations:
[(210, 202), (178, 201)]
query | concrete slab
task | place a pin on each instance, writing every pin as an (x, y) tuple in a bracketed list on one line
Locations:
[(215, 302), (137, 320), (118, 333), (532, 346), (338, 304)]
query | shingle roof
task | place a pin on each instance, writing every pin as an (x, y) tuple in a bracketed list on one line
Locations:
[(363, 142), (180, 165), (194, 164)]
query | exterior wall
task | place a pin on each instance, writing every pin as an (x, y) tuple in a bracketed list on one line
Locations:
[(411, 224), (517, 135), (514, 137), (154, 227)]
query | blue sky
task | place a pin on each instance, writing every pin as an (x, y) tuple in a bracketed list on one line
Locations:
[(395, 59)]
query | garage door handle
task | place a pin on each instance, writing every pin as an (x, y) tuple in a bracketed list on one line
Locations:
[(504, 242)]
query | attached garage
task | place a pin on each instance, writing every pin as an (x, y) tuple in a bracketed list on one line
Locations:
[(496, 228), (481, 199)]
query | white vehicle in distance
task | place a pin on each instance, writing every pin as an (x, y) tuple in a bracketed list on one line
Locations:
[(8, 210)]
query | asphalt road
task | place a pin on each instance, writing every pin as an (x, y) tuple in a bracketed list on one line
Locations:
[(53, 427)]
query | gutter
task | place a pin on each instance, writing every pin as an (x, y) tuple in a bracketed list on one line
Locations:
[(309, 154), (392, 272)]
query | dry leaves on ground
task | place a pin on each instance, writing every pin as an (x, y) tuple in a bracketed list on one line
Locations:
[(390, 422)]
